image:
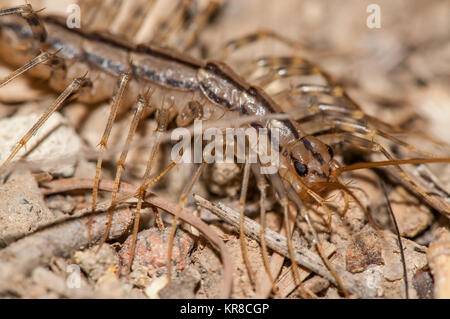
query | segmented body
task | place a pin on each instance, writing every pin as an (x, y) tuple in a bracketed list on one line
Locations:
[(307, 168), (169, 74)]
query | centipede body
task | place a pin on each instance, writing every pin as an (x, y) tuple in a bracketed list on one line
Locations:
[(174, 75)]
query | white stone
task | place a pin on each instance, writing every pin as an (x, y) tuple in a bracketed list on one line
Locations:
[(54, 147)]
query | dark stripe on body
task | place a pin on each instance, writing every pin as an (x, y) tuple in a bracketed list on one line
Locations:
[(310, 148)]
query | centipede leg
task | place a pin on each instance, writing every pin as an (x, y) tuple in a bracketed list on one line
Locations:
[(43, 57), (117, 99), (262, 185), (343, 109), (298, 202), (32, 18), (264, 71), (196, 114), (183, 197), (369, 144), (190, 31), (132, 17), (141, 106), (356, 124), (239, 43), (162, 120), (243, 241), (279, 188), (73, 87), (98, 15), (169, 26)]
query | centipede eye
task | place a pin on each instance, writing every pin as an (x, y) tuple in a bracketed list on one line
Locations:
[(330, 151), (301, 168)]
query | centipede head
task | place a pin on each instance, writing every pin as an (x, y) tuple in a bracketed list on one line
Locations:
[(307, 164)]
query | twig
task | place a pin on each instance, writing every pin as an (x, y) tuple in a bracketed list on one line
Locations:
[(275, 266), (22, 256), (71, 184), (278, 243)]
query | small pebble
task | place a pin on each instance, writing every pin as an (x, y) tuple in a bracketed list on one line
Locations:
[(151, 249)]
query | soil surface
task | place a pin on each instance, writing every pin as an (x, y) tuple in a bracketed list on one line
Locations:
[(398, 73)]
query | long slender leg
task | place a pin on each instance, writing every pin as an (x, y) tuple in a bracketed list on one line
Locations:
[(297, 200), (117, 99), (99, 15), (272, 75), (74, 86), (189, 33), (184, 195), (279, 188), (236, 44), (131, 18), (356, 122), (427, 187), (340, 99), (242, 199), (399, 237), (162, 120), (262, 185), (43, 57), (141, 106), (148, 184), (166, 27), (266, 70), (180, 206), (32, 18)]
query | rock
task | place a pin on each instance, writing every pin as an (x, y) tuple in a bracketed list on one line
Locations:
[(412, 217), (150, 256), (364, 250), (224, 179), (22, 207), (54, 147), (182, 287), (439, 259), (423, 283)]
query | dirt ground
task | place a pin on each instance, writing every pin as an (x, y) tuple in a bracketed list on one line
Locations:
[(398, 73)]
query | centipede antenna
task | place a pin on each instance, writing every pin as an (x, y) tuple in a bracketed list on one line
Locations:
[(356, 166), (399, 238), (398, 163)]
